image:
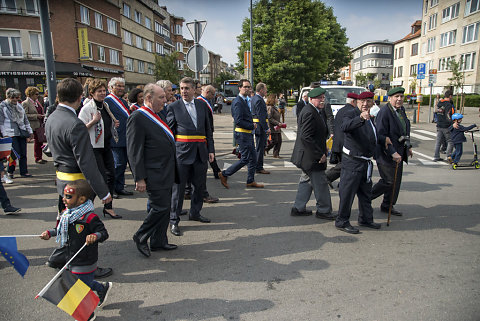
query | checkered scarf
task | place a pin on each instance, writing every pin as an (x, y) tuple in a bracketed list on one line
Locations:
[(68, 217)]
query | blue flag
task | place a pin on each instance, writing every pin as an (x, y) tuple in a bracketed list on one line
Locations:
[(8, 248)]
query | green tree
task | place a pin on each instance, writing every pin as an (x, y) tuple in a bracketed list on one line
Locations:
[(294, 43), (457, 80), (224, 75), (166, 67), (361, 79)]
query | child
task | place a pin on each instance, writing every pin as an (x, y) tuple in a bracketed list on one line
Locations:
[(78, 225), (458, 137)]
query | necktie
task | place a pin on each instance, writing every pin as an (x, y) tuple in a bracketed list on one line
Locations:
[(402, 121), (193, 113)]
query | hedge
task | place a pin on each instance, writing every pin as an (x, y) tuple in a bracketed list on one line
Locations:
[(470, 100)]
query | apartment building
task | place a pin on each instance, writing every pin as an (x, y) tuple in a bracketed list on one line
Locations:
[(450, 31)]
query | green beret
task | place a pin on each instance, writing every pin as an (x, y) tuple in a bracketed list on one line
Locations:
[(396, 90), (315, 92)]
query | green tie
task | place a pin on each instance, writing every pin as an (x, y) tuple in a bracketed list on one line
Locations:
[(402, 121)]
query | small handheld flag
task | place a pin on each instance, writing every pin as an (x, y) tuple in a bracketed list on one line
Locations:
[(8, 248)]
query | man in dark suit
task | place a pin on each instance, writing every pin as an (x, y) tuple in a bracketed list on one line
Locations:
[(358, 148), (393, 148), (151, 153), (244, 126), (310, 155), (336, 156), (301, 103), (188, 119), (260, 117)]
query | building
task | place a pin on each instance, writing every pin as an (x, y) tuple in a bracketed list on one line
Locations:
[(406, 59), (450, 31), (374, 58)]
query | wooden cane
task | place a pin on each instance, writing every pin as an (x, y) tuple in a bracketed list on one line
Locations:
[(393, 194)]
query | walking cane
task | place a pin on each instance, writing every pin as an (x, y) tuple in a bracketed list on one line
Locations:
[(393, 194)]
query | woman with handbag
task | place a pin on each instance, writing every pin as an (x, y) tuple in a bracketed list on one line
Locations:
[(275, 126), (35, 115), (14, 123), (101, 125)]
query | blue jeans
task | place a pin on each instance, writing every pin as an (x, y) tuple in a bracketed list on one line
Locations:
[(88, 279), (457, 154), (120, 159), (246, 148), (19, 144)]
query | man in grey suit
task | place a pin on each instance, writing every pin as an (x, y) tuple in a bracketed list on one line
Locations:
[(188, 119), (259, 115), (151, 153)]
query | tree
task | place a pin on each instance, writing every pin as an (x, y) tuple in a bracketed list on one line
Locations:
[(457, 80), (166, 67), (224, 75), (294, 43), (361, 79)]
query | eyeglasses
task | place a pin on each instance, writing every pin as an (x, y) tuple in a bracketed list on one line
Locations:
[(247, 86)]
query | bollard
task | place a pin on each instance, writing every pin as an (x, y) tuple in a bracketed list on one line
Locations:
[(414, 116)]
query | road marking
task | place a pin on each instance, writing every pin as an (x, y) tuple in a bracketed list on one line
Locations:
[(288, 164), (429, 162), (426, 132), (421, 137), (291, 135)]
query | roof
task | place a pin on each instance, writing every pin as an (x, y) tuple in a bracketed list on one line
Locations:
[(411, 36), (384, 42)]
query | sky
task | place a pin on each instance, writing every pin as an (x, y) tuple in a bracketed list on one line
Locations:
[(364, 20)]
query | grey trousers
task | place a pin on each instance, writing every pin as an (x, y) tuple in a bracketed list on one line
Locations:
[(316, 181), (443, 133)]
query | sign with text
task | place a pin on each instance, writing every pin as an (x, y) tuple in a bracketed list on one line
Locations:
[(421, 69), (83, 44)]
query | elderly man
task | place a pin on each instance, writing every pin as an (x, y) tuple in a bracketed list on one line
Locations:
[(151, 152), (359, 142), (119, 108), (260, 117), (302, 103), (393, 148), (310, 155), (166, 85), (189, 122)]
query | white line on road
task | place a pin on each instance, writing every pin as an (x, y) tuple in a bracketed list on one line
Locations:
[(426, 132), (288, 164), (429, 162), (291, 135), (421, 137)]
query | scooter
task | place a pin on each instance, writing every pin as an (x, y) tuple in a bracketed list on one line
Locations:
[(473, 163)]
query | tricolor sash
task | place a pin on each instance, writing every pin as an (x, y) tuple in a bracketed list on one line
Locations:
[(157, 120), (207, 102), (118, 102)]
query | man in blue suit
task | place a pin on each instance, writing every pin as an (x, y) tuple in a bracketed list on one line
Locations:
[(244, 126), (260, 117)]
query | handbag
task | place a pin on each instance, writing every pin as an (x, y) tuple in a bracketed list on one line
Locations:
[(40, 131), (58, 258)]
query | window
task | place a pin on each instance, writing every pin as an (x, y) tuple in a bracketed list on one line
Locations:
[(101, 54), (395, 72), (385, 62), (432, 21), (31, 7), (141, 67), (114, 57), (400, 71), (386, 50), (111, 26), (178, 29), (127, 37), (433, 3), (470, 33), (444, 63), (431, 44), (356, 66), (148, 45), (451, 12), (10, 44), (151, 68), (165, 32), (426, 7), (84, 15), (180, 64), (167, 51), (413, 70), (36, 44), (448, 38), (90, 50), (365, 51), (8, 6), (396, 52), (30, 81), (158, 28), (138, 42), (415, 49), (148, 23), (356, 54), (468, 61), (471, 6), (128, 64), (159, 48), (126, 10), (179, 46), (400, 53), (98, 21), (429, 65), (138, 17)]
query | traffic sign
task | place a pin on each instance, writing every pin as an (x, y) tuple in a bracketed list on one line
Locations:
[(421, 76), (432, 71), (196, 29), (421, 69), (197, 58), (432, 78)]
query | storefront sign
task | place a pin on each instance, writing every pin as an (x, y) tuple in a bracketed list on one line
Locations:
[(83, 44), (22, 73)]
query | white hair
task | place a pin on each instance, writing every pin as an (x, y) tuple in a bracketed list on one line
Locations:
[(350, 100), (114, 81), (164, 83)]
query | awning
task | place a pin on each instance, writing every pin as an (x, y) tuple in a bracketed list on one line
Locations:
[(103, 69), (37, 68)]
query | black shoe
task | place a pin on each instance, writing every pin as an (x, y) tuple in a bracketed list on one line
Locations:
[(187, 196), (124, 193), (200, 218), (210, 199), (26, 175), (175, 230), (437, 159), (10, 210), (116, 196), (142, 247), (326, 216), (116, 216), (215, 174), (349, 229), (371, 225), (394, 211), (102, 272), (166, 247), (184, 212), (102, 295), (295, 212)]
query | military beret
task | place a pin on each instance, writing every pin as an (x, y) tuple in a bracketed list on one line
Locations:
[(315, 92), (352, 95), (396, 90), (366, 95)]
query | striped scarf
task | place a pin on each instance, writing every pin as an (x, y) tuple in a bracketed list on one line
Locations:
[(68, 217)]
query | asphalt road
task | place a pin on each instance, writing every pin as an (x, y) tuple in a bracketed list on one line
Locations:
[(256, 262)]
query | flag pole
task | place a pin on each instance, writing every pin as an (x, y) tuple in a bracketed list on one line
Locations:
[(20, 235), (59, 272)]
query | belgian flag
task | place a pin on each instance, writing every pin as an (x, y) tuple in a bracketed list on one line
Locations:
[(73, 296)]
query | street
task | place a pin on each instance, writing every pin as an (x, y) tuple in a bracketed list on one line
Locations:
[(256, 262)]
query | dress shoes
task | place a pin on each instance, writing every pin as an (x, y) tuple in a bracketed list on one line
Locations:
[(223, 180), (166, 247), (371, 225), (142, 247), (262, 171), (326, 216), (103, 272), (200, 218), (124, 193), (210, 199), (394, 211), (175, 230), (184, 212), (115, 196), (295, 212), (349, 229), (255, 185)]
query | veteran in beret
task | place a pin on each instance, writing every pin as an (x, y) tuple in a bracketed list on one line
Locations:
[(310, 155), (393, 148)]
